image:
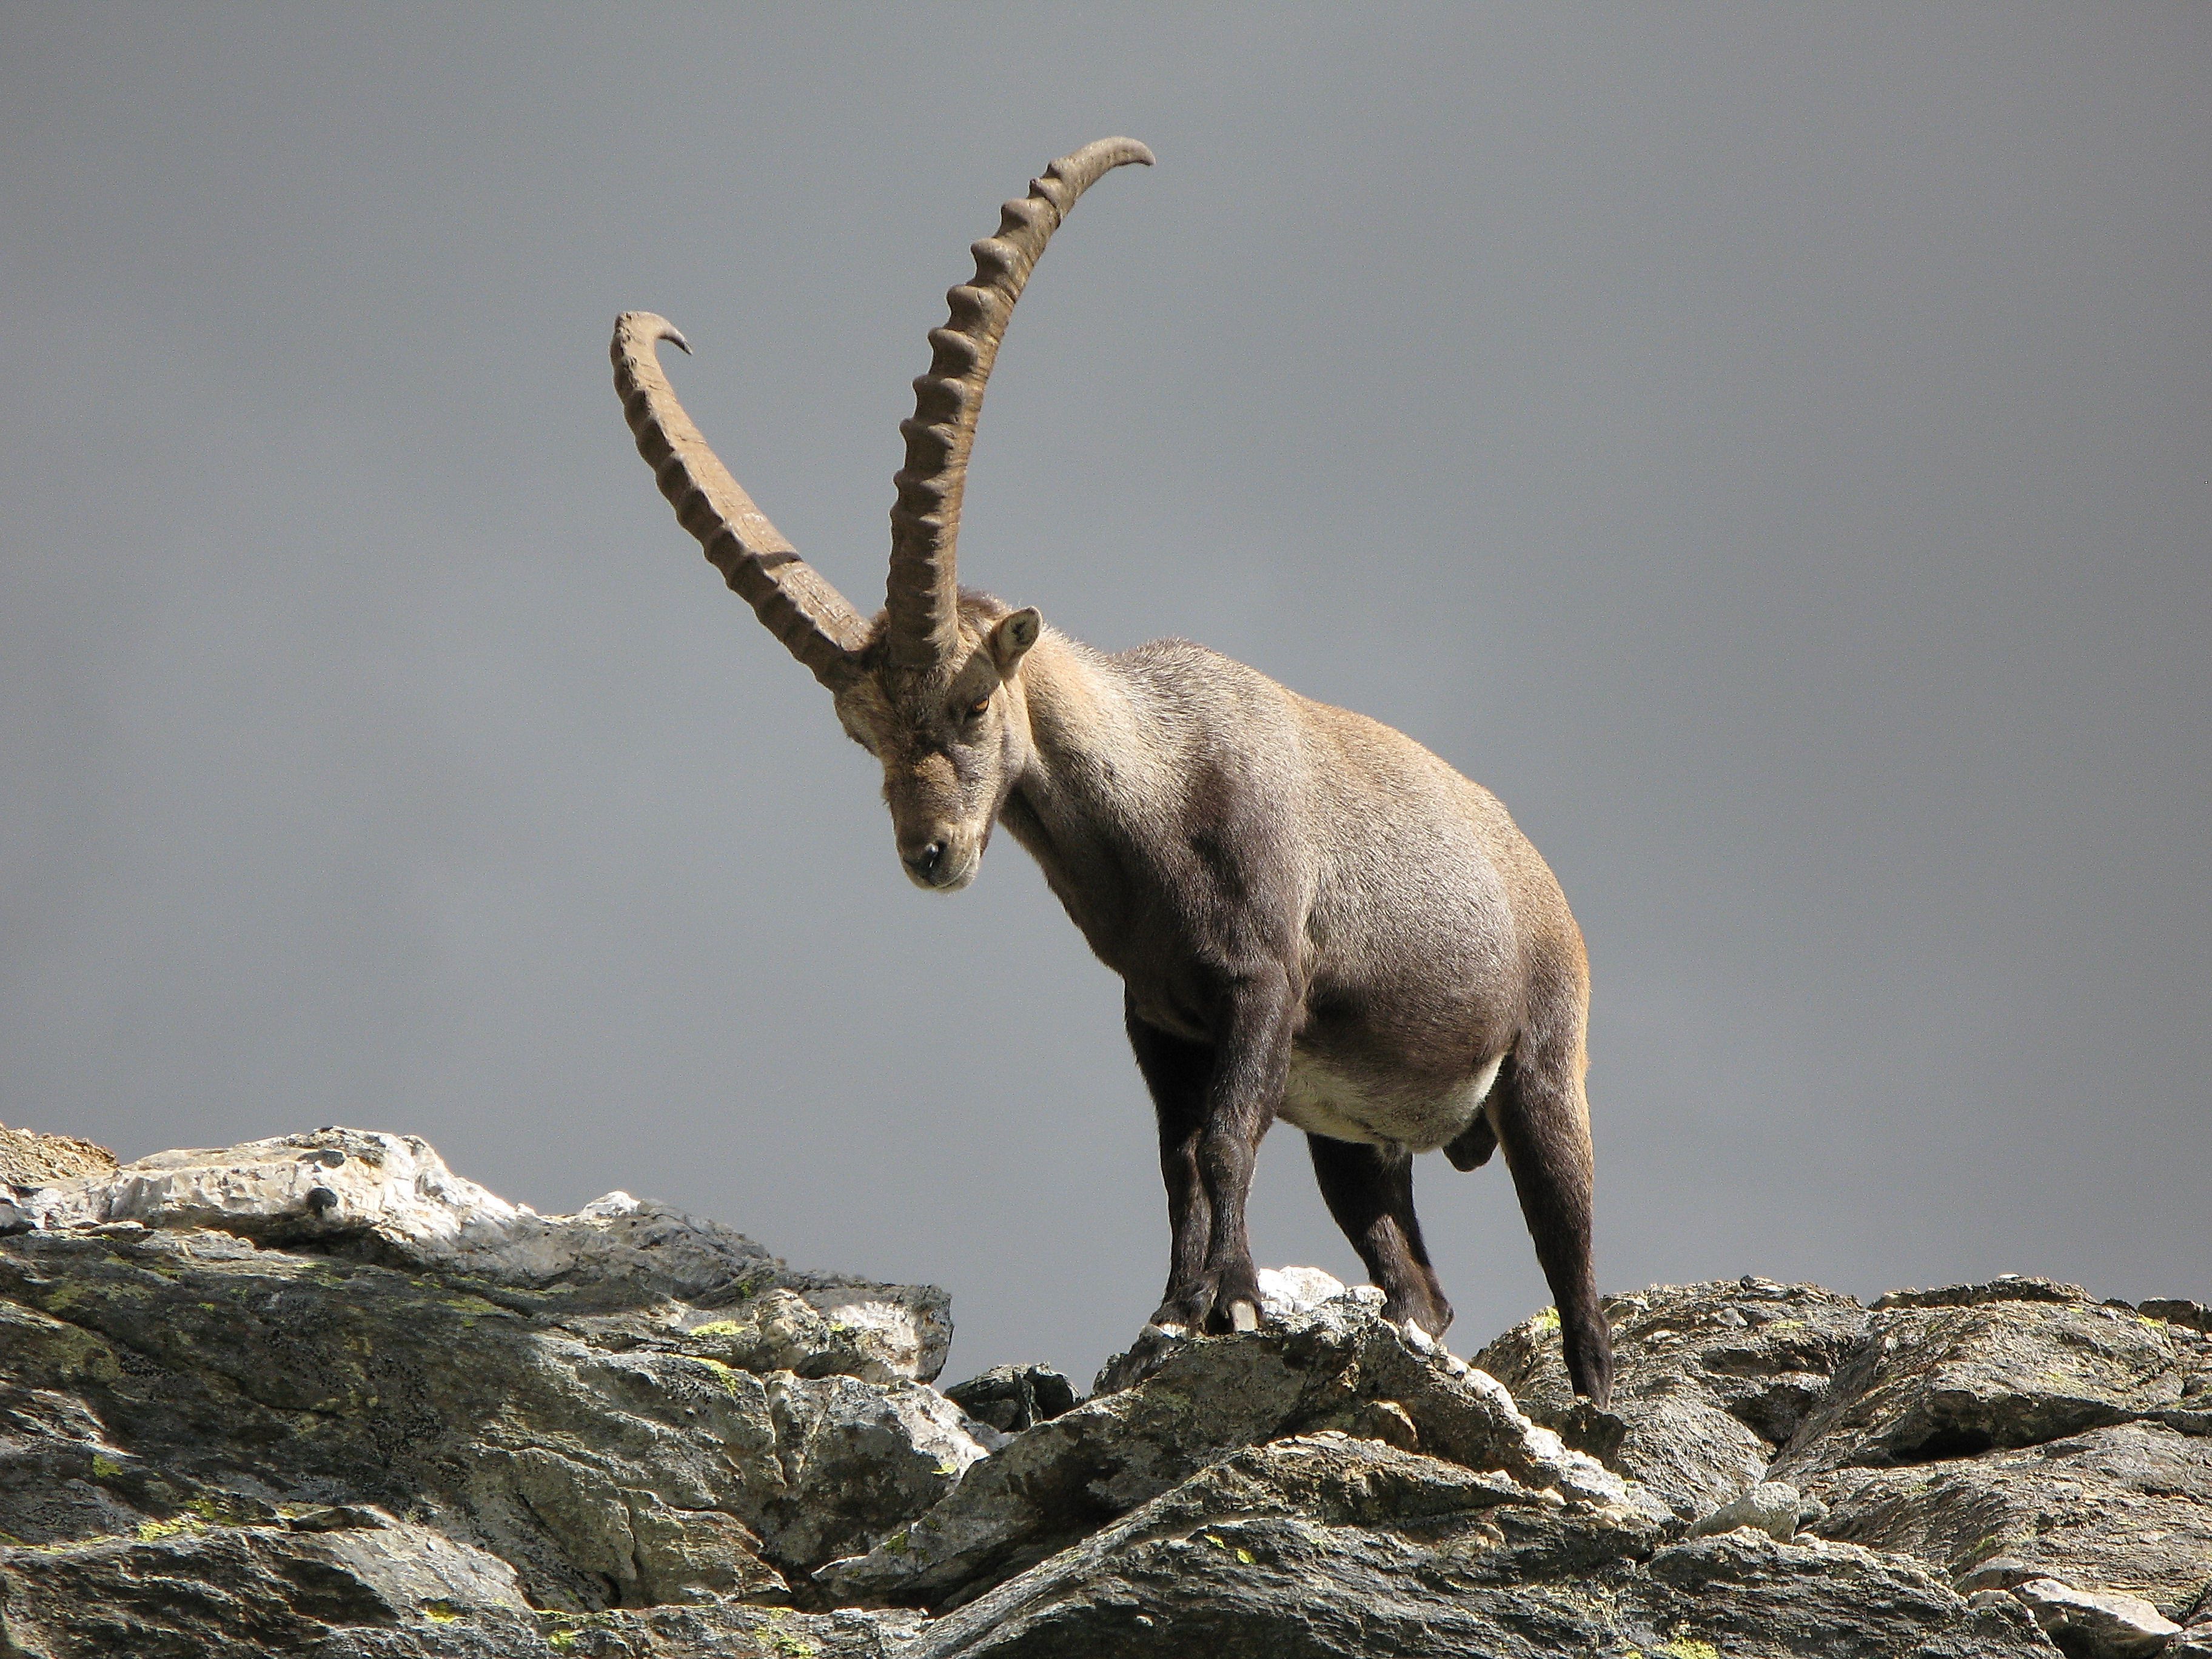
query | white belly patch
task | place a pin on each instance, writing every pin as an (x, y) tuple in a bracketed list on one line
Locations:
[(1323, 1100)]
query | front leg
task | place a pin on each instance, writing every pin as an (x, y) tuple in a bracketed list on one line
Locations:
[(1176, 1072), (1251, 1058)]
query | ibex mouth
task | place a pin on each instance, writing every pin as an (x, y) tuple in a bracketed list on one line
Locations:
[(942, 867)]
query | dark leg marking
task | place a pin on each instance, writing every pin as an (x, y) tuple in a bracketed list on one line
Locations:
[(1176, 1071), (1543, 1126)]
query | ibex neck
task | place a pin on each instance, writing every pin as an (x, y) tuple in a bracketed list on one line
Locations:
[(1092, 782)]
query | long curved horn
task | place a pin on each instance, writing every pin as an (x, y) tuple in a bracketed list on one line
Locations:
[(813, 619), (922, 594)]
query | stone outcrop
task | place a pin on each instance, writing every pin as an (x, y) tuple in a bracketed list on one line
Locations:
[(30, 1160), (319, 1395)]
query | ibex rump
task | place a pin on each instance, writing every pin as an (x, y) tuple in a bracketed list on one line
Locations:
[(1313, 916)]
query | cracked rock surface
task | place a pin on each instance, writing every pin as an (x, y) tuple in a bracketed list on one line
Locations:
[(320, 1396)]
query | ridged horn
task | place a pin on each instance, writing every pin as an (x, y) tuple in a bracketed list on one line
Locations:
[(923, 594), (813, 619)]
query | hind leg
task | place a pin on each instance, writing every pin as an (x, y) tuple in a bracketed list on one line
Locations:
[(1543, 1128), (1370, 1191)]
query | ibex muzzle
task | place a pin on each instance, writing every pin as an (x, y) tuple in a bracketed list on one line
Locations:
[(1314, 918)]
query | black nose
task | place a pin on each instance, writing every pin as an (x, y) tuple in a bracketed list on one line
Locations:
[(924, 863)]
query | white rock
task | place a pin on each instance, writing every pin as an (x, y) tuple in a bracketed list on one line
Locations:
[(1285, 1291), (338, 1183), (332, 1180), (2101, 1622), (1771, 1507)]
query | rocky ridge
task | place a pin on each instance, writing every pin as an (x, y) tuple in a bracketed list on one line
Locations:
[(319, 1395)]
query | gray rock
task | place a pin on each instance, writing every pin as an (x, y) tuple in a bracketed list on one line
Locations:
[(192, 1588), (1710, 1381), (2096, 1626), (148, 1376), (397, 1592), (1012, 1398), (1333, 1547), (2126, 1508), (1954, 1373), (391, 1198), (317, 1395), (1339, 1366), (1773, 1507)]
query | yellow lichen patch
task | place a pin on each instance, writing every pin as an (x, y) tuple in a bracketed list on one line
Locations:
[(152, 1532), (1548, 1319), (725, 1375), (1688, 1647), (472, 1304), (105, 1468), (443, 1612), (718, 1328)]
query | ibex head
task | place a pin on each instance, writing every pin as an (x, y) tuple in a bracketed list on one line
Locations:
[(931, 687)]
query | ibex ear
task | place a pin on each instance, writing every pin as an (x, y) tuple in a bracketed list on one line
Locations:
[(1012, 636)]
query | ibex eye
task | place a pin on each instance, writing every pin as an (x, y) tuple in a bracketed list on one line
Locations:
[(976, 707)]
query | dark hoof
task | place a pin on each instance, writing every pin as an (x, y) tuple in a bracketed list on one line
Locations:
[(1432, 1314), (1221, 1301)]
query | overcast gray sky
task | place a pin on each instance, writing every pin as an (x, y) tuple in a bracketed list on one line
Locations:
[(1768, 445)]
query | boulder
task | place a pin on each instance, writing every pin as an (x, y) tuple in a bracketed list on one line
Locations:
[(2096, 1626), (584, 1432), (1337, 1364), (390, 1198), (1773, 1507), (1012, 1398)]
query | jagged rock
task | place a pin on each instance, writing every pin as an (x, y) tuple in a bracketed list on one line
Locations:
[(1337, 1365), (1329, 1547), (1012, 1398), (2195, 1314), (150, 1375), (1976, 1368), (855, 1454), (30, 1160), (1285, 1294), (2126, 1508), (391, 1198), (2096, 1626), (317, 1395), (1709, 1381)]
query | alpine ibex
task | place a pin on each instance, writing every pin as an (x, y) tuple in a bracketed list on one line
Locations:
[(1314, 917)]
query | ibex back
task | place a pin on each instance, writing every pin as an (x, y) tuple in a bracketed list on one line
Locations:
[(1314, 917)]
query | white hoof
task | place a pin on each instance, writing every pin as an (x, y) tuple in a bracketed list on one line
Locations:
[(1243, 1316)]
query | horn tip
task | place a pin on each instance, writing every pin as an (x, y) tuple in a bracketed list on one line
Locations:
[(652, 326)]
